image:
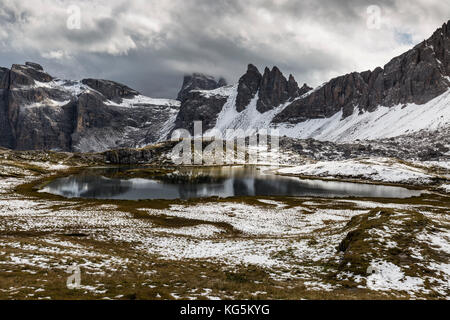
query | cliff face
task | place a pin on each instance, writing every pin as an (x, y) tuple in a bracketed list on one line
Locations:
[(272, 88), (198, 106), (33, 115), (202, 98), (6, 136), (416, 76), (40, 112)]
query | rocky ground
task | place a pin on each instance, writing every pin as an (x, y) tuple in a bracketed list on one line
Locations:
[(422, 146), (244, 248)]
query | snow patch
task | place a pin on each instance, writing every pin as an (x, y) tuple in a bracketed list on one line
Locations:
[(388, 276), (140, 100), (219, 92), (382, 170)]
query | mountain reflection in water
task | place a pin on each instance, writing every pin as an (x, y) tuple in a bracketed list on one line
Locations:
[(227, 182)]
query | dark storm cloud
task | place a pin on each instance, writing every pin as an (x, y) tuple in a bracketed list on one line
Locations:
[(149, 45)]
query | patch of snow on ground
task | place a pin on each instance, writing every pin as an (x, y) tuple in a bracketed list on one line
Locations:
[(381, 170), (445, 187), (388, 276)]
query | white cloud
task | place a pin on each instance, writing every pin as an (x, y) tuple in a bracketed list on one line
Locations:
[(313, 40)]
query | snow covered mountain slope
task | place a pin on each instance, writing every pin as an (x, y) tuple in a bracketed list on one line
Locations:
[(409, 94), (383, 122)]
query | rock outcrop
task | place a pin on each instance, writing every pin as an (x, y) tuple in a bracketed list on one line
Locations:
[(274, 90), (199, 81), (200, 101), (199, 107), (33, 115), (272, 87), (6, 135), (248, 87), (111, 90), (304, 89)]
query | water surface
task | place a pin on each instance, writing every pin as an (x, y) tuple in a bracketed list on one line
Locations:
[(221, 182)]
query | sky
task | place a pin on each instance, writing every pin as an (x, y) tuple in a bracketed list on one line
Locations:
[(149, 45)]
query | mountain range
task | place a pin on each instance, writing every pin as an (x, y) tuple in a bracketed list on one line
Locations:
[(410, 93)]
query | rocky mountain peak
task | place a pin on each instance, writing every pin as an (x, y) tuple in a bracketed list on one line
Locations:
[(111, 90), (199, 81), (34, 66), (293, 89), (248, 87), (304, 89), (273, 87), (275, 90), (27, 74)]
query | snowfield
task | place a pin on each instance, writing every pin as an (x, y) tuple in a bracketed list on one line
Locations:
[(388, 276), (380, 170), (140, 100)]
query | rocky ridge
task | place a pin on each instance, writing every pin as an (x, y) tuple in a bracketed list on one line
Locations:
[(416, 76)]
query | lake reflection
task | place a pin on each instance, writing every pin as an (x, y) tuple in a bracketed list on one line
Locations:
[(227, 182)]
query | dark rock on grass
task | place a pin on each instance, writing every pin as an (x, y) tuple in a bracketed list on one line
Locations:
[(76, 235)]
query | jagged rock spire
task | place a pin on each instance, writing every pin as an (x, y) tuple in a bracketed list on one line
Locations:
[(274, 89), (248, 87)]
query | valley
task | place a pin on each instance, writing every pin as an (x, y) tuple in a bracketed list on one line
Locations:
[(242, 247)]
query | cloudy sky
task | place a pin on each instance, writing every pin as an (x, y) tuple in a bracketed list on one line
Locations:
[(149, 45)]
